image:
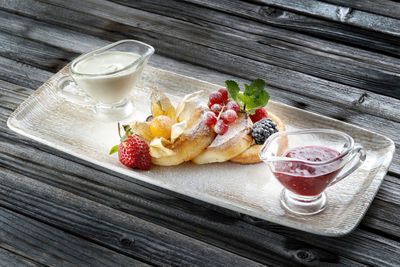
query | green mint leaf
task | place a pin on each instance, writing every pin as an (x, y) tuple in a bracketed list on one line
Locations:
[(257, 96), (233, 89), (253, 97), (114, 149), (244, 98)]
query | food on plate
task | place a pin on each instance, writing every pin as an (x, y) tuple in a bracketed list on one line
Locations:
[(133, 152), (250, 155), (232, 126), (188, 145), (230, 144), (161, 126)]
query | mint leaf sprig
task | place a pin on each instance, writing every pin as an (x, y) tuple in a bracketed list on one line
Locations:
[(253, 97)]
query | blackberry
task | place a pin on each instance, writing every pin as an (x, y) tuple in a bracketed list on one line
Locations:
[(262, 129)]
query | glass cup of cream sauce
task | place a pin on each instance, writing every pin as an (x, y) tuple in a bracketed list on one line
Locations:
[(104, 78)]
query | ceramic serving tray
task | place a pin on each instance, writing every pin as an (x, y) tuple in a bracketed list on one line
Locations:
[(249, 189)]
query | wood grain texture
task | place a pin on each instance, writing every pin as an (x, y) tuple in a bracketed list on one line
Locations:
[(202, 16), (39, 244), (349, 95), (8, 258), (312, 26), (178, 215), (325, 107), (383, 7), (341, 14), (273, 60), (226, 231), (116, 230), (22, 73), (337, 61)]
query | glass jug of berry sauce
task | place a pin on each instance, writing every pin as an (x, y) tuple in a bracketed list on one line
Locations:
[(306, 162)]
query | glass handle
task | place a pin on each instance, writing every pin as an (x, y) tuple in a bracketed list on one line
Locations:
[(357, 158), (70, 91)]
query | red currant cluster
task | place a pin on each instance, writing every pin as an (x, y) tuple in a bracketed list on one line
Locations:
[(222, 112)]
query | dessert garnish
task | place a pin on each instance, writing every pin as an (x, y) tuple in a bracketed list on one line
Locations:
[(263, 129), (133, 151), (231, 128), (253, 97), (251, 101)]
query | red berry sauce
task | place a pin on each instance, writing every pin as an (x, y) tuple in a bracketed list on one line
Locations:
[(307, 179)]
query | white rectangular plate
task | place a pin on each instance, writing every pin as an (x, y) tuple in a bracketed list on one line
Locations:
[(249, 189)]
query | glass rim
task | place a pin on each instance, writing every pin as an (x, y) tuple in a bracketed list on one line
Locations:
[(149, 52), (316, 130)]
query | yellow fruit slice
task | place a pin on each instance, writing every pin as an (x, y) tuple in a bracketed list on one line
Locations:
[(161, 105)]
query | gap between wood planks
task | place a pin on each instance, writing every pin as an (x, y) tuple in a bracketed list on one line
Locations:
[(34, 241), (34, 192), (385, 8), (245, 26), (338, 13), (366, 106), (198, 42), (312, 26), (14, 259), (371, 104)]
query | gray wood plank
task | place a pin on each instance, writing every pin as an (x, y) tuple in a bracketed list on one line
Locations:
[(10, 259), (340, 14), (347, 96), (296, 64), (382, 257), (33, 53), (206, 17), (39, 244), (312, 26), (114, 229), (22, 74), (280, 54), (386, 8)]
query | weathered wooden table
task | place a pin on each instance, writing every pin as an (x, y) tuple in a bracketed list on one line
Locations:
[(337, 58)]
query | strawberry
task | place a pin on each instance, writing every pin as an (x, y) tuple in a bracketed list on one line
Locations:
[(260, 114), (126, 153), (133, 152), (142, 152)]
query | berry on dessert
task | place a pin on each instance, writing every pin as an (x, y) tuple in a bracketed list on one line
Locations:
[(221, 127), (224, 94), (260, 113), (216, 98), (229, 116), (263, 129), (161, 126), (234, 106), (216, 108), (133, 152), (225, 112), (210, 118)]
